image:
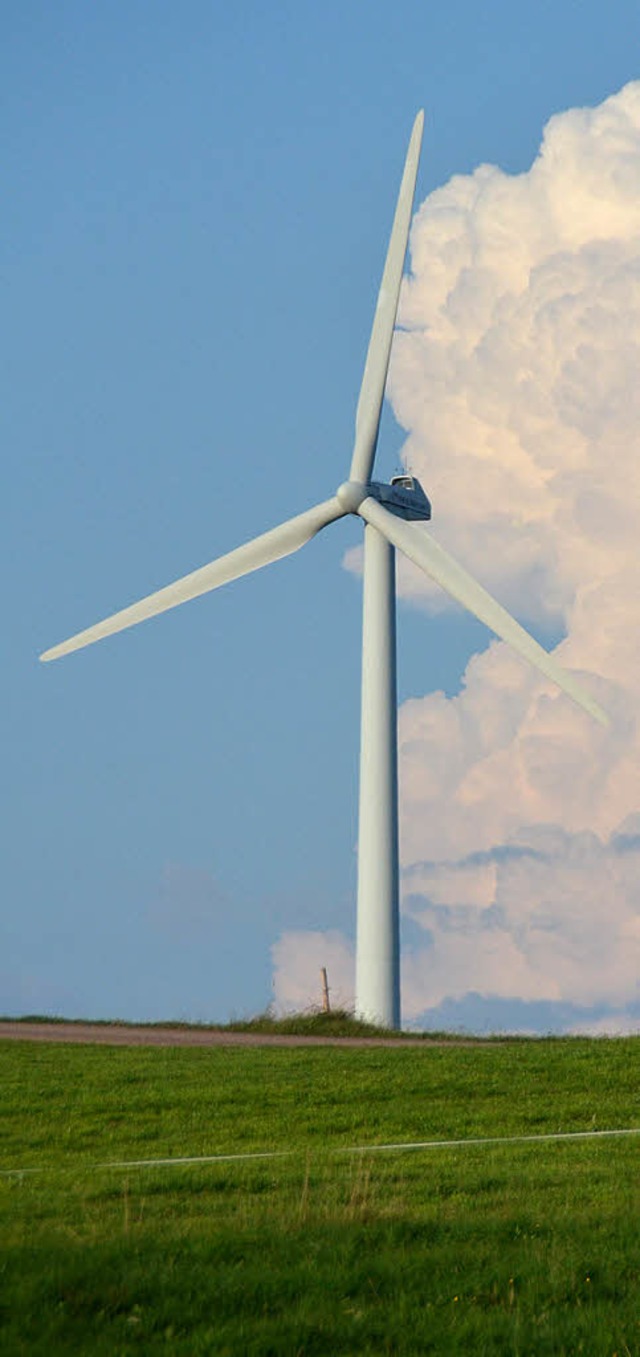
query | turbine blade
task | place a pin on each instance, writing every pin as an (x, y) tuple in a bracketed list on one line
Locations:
[(270, 546), (375, 369), (419, 546)]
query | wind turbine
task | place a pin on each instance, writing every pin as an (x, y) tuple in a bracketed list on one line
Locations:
[(394, 516)]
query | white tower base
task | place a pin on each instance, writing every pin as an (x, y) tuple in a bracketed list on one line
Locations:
[(378, 927)]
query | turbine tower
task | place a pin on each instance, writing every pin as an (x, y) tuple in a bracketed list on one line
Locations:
[(394, 516)]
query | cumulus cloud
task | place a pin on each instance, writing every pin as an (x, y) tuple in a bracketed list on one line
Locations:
[(297, 961), (514, 374), (551, 915)]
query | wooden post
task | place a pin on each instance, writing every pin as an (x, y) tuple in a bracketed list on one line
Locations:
[(326, 1006)]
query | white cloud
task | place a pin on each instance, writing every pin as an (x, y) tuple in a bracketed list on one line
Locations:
[(550, 915), (515, 377), (297, 960)]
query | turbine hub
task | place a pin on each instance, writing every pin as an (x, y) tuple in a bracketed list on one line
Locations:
[(351, 494)]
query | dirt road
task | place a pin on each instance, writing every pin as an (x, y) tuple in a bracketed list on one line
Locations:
[(105, 1034)]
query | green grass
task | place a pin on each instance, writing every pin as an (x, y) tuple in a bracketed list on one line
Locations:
[(527, 1249)]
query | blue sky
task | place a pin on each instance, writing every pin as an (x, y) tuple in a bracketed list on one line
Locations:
[(196, 218)]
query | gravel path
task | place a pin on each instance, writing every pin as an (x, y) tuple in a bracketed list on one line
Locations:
[(105, 1034)]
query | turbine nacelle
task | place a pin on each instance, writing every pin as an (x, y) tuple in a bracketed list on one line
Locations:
[(403, 496)]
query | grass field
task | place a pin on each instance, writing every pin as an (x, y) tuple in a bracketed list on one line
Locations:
[(528, 1249)]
